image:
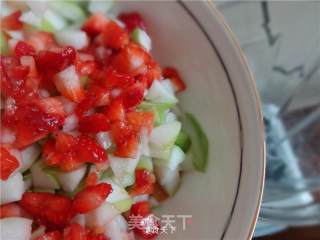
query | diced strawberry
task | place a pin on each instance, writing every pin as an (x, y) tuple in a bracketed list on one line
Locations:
[(153, 72), (144, 183), (69, 85), (175, 78), (143, 177), (115, 111), (113, 36), (31, 63), (12, 210), (140, 120), (24, 49), (41, 40), (54, 235), (94, 123), (133, 95), (126, 140), (94, 236), (95, 96), (114, 79), (89, 151), (13, 77), (85, 68), (65, 142), (48, 148), (128, 149), (32, 124), (52, 210), (131, 60), (8, 163), (50, 105), (74, 232), (103, 97), (159, 193), (69, 153), (11, 22), (91, 197), (56, 159), (70, 162), (50, 156), (92, 179), (87, 102), (95, 24), (49, 61), (140, 209), (149, 227), (19, 72), (132, 20)]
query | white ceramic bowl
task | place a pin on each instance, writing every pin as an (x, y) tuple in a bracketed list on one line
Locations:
[(192, 36)]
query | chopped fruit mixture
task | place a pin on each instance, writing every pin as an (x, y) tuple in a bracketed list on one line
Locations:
[(90, 135)]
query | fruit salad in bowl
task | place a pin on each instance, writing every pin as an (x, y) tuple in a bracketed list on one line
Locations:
[(91, 131)]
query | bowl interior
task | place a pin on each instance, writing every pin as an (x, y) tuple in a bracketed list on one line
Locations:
[(179, 40)]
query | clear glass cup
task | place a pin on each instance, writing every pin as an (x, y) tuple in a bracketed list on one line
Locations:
[(282, 43)]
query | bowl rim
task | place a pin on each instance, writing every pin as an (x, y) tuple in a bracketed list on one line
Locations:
[(233, 44), (258, 101)]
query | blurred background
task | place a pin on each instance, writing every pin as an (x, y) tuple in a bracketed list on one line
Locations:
[(281, 40)]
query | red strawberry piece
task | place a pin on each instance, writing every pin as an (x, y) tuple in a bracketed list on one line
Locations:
[(128, 149), (32, 124), (113, 36), (114, 79), (88, 150), (74, 232), (159, 193), (140, 120), (132, 20), (95, 96), (31, 63), (52, 210), (85, 68), (126, 140), (49, 61), (140, 209), (94, 236), (51, 105), (8, 164), (153, 72), (24, 49), (11, 22), (91, 179), (94, 123), (94, 24), (13, 77), (149, 226), (115, 111), (133, 95), (175, 78), (91, 197), (69, 162), (12, 210), (54, 235), (19, 72), (144, 183), (50, 156), (65, 142), (131, 60)]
